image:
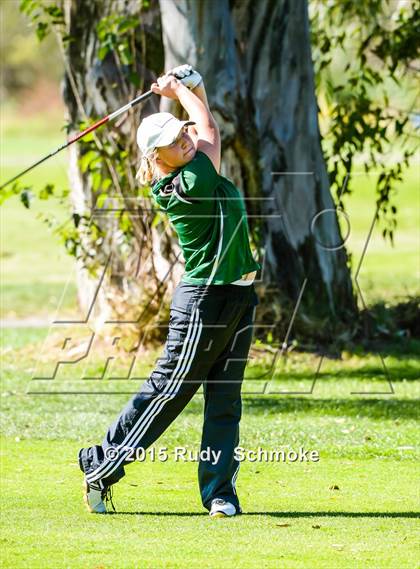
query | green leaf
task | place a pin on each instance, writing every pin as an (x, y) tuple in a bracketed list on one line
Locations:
[(86, 159), (128, 24), (125, 222), (42, 30), (54, 11), (26, 198), (102, 52), (96, 180), (28, 6), (46, 192), (157, 219), (125, 55), (106, 183), (100, 201)]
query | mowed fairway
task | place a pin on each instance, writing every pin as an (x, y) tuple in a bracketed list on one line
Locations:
[(355, 508)]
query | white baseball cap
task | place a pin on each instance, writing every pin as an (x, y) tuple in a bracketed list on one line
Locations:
[(159, 129)]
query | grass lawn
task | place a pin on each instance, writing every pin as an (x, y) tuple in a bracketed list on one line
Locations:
[(377, 281), (291, 518), (292, 515), (35, 267)]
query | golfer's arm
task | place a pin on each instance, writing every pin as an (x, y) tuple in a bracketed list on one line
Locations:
[(196, 104)]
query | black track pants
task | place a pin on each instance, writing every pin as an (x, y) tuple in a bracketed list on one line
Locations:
[(209, 336)]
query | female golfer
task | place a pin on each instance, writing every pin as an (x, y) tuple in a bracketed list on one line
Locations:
[(211, 314)]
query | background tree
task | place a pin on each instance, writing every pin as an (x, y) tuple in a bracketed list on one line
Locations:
[(362, 52)]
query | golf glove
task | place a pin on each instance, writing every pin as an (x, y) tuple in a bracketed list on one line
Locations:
[(187, 75)]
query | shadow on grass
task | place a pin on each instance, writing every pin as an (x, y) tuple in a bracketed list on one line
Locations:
[(283, 514), (390, 408), (365, 373)]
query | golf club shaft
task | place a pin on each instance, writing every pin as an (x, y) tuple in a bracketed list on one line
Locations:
[(80, 135)]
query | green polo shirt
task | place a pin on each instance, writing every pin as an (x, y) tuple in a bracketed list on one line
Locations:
[(208, 214)]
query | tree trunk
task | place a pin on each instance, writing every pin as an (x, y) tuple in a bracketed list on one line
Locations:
[(256, 61)]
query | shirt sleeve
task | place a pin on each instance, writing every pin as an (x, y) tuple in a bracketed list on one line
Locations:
[(199, 177)]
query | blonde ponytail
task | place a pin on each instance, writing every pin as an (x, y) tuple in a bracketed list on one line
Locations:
[(146, 172)]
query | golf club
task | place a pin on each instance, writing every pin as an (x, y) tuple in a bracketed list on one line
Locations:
[(80, 135), (93, 127)]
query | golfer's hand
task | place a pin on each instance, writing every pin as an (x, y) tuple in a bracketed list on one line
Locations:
[(166, 86), (187, 75)]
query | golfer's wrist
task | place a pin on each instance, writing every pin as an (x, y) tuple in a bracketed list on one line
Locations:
[(200, 92), (180, 88)]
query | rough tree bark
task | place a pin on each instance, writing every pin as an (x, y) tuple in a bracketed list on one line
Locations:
[(256, 60)]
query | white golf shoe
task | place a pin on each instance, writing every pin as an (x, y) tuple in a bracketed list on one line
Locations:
[(95, 499), (222, 509)]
